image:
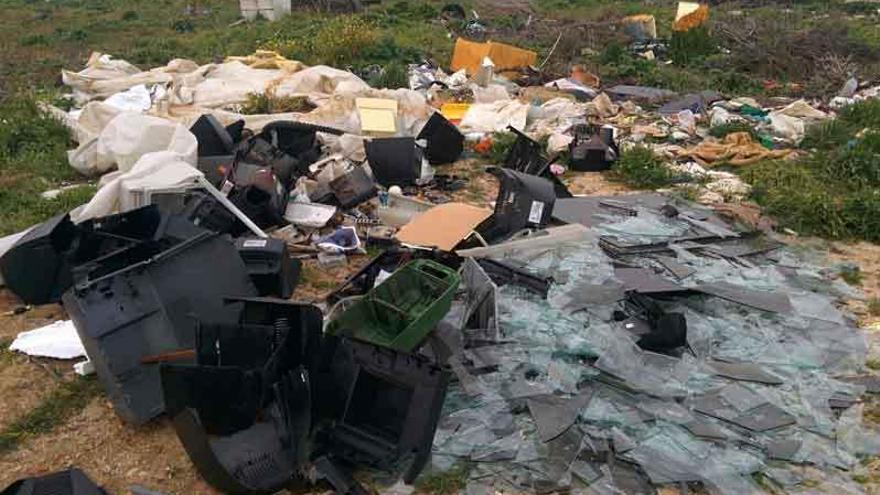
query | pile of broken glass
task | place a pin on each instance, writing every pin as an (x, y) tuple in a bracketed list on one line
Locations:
[(671, 349)]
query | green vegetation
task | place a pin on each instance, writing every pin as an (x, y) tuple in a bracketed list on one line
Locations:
[(68, 399), (451, 481), (835, 191), (874, 306), (719, 131), (640, 168), (261, 103), (33, 159), (851, 275)]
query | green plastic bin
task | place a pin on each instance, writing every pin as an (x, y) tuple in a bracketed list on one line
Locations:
[(401, 311)]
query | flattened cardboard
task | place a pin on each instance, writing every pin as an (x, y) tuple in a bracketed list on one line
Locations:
[(443, 226), (378, 116), (469, 55)]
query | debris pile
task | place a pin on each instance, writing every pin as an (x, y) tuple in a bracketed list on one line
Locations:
[(553, 342)]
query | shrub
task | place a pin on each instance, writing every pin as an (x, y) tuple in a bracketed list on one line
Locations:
[(639, 167)]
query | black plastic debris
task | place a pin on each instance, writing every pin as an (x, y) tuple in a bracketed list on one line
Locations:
[(523, 201), (340, 479), (593, 149), (394, 161), (269, 265), (40, 266), (35, 268), (145, 308), (445, 142), (243, 411), (216, 146), (526, 156), (298, 141), (668, 330), (68, 482), (214, 139), (383, 405), (506, 273), (353, 188)]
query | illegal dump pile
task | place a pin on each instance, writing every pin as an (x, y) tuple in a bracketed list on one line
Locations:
[(555, 342)]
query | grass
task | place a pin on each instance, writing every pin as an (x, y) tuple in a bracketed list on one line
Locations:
[(263, 103), (833, 192), (33, 159), (874, 306), (720, 131), (451, 481), (68, 399), (852, 275), (640, 168)]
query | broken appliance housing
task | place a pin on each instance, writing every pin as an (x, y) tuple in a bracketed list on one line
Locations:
[(243, 411), (527, 156), (140, 303), (381, 405), (593, 149), (272, 270), (394, 161), (523, 201), (40, 266), (444, 142), (271, 393)]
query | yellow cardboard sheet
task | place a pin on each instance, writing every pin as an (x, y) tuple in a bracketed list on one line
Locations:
[(443, 226), (378, 115), (454, 111), (690, 15), (469, 55)]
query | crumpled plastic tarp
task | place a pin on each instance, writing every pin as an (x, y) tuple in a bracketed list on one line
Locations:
[(122, 190), (495, 117), (105, 76), (127, 137)]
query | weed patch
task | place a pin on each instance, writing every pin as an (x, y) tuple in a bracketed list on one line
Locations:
[(452, 481), (33, 158), (265, 103), (70, 398), (639, 167), (834, 192), (874, 306)]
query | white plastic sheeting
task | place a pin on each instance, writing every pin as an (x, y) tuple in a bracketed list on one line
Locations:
[(495, 117), (156, 170), (126, 138), (57, 340)]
